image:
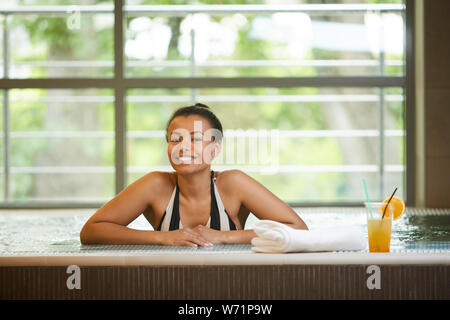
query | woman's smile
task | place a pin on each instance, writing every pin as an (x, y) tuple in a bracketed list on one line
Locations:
[(186, 159)]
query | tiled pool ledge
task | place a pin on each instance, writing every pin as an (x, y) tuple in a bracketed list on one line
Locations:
[(205, 259)]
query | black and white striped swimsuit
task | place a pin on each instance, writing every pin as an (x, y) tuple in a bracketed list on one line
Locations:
[(219, 219)]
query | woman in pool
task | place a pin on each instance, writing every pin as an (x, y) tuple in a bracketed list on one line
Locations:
[(185, 207)]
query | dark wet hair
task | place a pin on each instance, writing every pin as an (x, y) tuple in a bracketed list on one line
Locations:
[(197, 109)]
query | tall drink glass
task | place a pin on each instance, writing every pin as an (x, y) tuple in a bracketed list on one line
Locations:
[(378, 228)]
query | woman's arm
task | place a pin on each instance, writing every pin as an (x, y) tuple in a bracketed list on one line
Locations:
[(258, 200), (263, 203), (109, 224)]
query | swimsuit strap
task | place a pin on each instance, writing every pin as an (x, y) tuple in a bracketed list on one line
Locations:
[(215, 215), (175, 221), (220, 219)]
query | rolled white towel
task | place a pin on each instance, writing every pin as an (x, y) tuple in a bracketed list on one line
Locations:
[(275, 237)]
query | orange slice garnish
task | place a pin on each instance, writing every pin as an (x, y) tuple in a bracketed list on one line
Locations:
[(398, 207)]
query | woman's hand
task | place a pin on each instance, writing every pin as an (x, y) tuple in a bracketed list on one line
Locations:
[(184, 237), (211, 235), (232, 236)]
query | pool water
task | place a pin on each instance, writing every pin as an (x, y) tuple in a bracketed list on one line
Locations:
[(57, 232)]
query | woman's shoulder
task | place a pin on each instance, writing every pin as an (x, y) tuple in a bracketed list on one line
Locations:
[(232, 173), (158, 181), (161, 177), (229, 178)]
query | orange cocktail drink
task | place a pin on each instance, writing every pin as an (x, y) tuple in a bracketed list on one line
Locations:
[(379, 227)]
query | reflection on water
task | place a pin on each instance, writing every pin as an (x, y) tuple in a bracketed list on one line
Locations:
[(426, 228), (35, 233)]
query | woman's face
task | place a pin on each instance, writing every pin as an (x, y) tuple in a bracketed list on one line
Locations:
[(191, 145)]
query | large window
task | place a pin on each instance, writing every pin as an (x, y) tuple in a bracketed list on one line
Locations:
[(316, 90)]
